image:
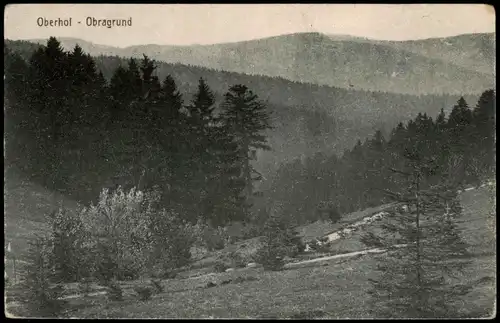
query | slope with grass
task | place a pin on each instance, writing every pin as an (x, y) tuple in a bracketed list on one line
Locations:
[(26, 206), (333, 289)]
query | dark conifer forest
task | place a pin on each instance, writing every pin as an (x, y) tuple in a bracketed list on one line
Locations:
[(72, 130)]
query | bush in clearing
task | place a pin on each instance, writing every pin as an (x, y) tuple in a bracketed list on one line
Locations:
[(144, 292), (211, 238), (250, 231), (172, 241), (236, 260), (319, 245), (114, 291), (279, 242), (120, 228), (85, 286), (72, 250), (220, 267), (269, 258), (121, 237), (157, 286), (43, 292)]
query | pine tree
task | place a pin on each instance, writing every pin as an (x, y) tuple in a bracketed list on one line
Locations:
[(202, 107), (43, 288), (135, 81), (225, 201), (120, 94), (377, 174), (147, 68), (425, 252), (199, 158), (49, 90), (248, 120), (459, 128), (172, 99), (484, 126), (279, 241), (68, 238)]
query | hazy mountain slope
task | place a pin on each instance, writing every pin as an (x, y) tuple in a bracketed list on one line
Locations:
[(315, 58), (427, 66), (473, 51)]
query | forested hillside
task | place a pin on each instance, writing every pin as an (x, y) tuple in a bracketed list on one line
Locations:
[(457, 148), (307, 118), (91, 122)]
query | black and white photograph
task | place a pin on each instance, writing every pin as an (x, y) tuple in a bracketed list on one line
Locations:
[(250, 161)]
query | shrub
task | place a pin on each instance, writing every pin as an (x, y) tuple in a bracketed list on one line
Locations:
[(236, 260), (106, 267), (115, 292), (314, 244), (120, 228), (279, 241), (210, 285), (220, 267), (172, 239), (240, 279), (85, 286), (169, 274), (71, 244), (157, 286), (144, 292), (43, 296), (251, 231), (269, 258), (329, 211), (212, 238), (215, 238), (319, 245)]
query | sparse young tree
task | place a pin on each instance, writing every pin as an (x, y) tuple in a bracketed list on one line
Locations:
[(43, 290), (417, 276), (280, 241)]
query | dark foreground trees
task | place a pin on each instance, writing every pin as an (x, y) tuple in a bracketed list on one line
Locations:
[(82, 134)]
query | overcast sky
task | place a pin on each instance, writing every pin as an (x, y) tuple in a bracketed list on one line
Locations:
[(208, 24)]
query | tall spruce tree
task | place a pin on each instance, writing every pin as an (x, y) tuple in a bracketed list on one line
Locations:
[(225, 201), (203, 106), (460, 132), (247, 119), (135, 80), (49, 89), (484, 135), (172, 99)]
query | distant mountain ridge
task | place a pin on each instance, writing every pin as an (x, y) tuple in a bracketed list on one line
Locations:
[(454, 65)]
